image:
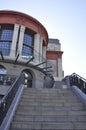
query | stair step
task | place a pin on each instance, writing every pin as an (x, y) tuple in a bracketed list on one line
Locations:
[(73, 98), (49, 109), (49, 100), (52, 108), (60, 118), (50, 104), (52, 92), (59, 112), (48, 94), (48, 126)]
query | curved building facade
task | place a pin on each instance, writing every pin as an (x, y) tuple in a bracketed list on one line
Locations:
[(21, 34), (24, 48), (23, 43)]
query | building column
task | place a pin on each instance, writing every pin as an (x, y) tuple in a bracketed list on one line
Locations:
[(40, 49), (36, 48), (21, 36), (59, 68), (44, 54), (14, 41), (44, 51)]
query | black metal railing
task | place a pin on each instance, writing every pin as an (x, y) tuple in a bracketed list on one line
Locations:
[(8, 98), (7, 79), (78, 81), (37, 59)]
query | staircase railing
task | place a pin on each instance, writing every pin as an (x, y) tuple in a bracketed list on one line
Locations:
[(78, 81), (8, 98)]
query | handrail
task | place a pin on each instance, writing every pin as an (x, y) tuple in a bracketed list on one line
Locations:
[(79, 81), (79, 76), (8, 98)]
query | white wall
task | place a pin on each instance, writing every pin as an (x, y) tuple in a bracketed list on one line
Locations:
[(54, 47)]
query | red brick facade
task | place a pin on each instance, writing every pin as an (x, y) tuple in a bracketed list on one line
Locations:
[(54, 55)]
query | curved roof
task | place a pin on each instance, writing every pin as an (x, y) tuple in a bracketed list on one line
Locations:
[(14, 17)]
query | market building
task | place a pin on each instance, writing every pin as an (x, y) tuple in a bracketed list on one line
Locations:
[(26, 48), (30, 63)]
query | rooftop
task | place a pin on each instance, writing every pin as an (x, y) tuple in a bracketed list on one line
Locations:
[(53, 41)]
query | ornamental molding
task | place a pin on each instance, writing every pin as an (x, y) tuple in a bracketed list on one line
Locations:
[(20, 20)]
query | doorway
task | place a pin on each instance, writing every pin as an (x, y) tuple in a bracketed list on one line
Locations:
[(28, 78)]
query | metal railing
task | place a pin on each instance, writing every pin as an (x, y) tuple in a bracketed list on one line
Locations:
[(8, 98), (6, 53), (78, 81), (6, 79), (35, 58)]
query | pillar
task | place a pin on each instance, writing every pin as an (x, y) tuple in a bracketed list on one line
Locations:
[(59, 68), (14, 41), (44, 54), (40, 49), (21, 36), (36, 48)]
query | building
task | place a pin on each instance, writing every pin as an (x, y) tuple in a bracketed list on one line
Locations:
[(29, 58), (23, 49), (54, 56)]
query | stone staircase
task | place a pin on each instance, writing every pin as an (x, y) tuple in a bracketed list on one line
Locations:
[(49, 109)]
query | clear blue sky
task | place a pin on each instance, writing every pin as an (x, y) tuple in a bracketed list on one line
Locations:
[(64, 20)]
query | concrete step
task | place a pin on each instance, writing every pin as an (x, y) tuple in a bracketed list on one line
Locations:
[(48, 94), (52, 108), (63, 104), (50, 100), (48, 126), (43, 90), (46, 97), (48, 91), (49, 109), (54, 113), (53, 94), (49, 118)]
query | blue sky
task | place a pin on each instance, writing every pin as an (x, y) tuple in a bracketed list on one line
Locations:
[(64, 20)]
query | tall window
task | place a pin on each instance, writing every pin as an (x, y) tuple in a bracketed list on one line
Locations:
[(27, 49), (6, 34)]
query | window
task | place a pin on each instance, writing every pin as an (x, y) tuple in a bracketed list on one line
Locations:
[(6, 34), (27, 49)]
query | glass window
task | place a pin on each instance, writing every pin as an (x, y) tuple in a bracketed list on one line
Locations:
[(5, 48), (28, 40), (27, 49), (6, 34)]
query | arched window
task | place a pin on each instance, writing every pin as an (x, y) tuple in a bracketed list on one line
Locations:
[(27, 49), (6, 35)]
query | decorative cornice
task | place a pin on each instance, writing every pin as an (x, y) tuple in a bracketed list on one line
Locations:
[(54, 55)]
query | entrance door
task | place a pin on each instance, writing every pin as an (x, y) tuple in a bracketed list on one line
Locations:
[(28, 78)]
